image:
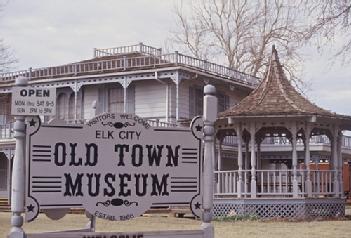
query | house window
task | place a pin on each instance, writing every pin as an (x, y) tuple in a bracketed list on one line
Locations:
[(131, 99), (223, 102), (115, 99), (61, 106), (3, 173), (196, 102), (71, 110)]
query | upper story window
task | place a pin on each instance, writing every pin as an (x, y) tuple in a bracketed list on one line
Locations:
[(71, 107), (196, 102), (115, 99), (223, 102), (61, 107)]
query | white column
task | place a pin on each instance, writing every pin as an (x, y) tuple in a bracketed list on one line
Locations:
[(308, 183), (18, 175), (247, 151), (177, 100), (9, 173), (253, 160), (294, 159), (125, 87), (258, 158), (167, 102), (219, 154), (124, 100), (210, 115), (75, 105), (341, 164), (240, 161), (334, 153)]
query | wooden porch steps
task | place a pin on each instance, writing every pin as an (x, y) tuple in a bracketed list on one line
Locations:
[(4, 205)]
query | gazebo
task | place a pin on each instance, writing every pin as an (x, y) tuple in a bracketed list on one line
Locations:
[(294, 189)]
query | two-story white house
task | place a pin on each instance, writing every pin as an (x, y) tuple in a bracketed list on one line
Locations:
[(139, 79)]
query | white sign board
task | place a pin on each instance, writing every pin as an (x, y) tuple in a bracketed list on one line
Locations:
[(33, 101), (116, 166)]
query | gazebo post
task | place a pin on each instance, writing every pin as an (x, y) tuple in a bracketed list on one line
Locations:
[(219, 154), (340, 163), (294, 159), (240, 160), (258, 157), (335, 161), (253, 160), (247, 151), (308, 183), (247, 167)]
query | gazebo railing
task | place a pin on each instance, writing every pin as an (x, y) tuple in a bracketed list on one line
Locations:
[(274, 183), (226, 182), (322, 182), (277, 182)]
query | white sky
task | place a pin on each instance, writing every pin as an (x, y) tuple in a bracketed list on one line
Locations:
[(48, 32)]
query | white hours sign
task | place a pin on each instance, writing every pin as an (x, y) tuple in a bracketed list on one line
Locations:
[(116, 166), (33, 101)]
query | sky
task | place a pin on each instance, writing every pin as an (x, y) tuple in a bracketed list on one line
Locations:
[(48, 32)]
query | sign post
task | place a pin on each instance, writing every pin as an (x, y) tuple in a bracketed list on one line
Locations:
[(18, 174), (210, 115)]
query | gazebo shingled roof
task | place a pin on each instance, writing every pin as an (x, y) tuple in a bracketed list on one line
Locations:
[(276, 97)]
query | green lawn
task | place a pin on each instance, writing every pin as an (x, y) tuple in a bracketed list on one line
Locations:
[(242, 229)]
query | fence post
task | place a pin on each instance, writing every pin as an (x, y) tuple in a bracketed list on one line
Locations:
[(176, 57), (141, 47), (18, 174), (210, 115), (124, 62)]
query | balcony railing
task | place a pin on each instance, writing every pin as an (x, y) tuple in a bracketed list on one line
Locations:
[(151, 57), (138, 48)]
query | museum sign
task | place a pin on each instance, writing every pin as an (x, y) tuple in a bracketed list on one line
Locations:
[(116, 166)]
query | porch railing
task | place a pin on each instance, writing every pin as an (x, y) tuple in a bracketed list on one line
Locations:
[(274, 183), (6, 131)]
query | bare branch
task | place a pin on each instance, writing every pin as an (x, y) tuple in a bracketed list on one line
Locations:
[(240, 31)]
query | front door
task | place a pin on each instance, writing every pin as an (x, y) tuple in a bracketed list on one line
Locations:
[(4, 176)]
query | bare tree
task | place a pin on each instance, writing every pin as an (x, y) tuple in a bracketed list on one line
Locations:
[(7, 59), (330, 22), (240, 31)]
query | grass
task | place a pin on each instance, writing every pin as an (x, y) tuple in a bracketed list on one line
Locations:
[(223, 229)]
